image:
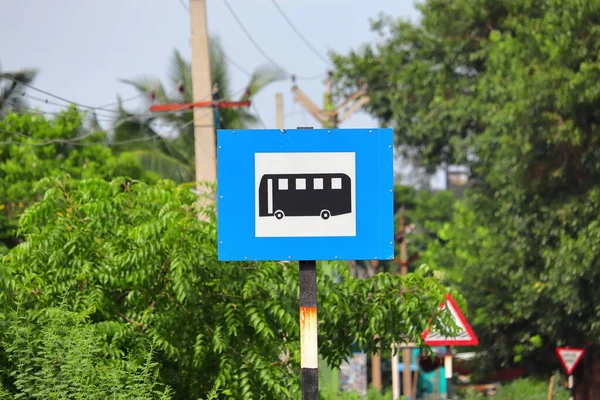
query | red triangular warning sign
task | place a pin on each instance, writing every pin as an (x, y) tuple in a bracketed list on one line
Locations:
[(465, 336), (569, 357)]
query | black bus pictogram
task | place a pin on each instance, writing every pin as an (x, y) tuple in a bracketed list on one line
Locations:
[(304, 195)]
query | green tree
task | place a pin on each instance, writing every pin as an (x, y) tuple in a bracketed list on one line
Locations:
[(33, 147), (173, 157), (139, 257), (425, 213), (12, 85), (511, 89)]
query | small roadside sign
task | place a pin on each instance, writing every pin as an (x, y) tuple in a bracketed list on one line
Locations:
[(569, 357), (465, 336)]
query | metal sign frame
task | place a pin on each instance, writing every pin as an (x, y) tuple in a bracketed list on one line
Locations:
[(309, 152)]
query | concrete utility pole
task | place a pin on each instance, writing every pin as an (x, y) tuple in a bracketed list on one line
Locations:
[(279, 111), (204, 130)]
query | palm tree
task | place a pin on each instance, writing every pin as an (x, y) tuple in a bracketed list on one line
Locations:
[(11, 88), (172, 156)]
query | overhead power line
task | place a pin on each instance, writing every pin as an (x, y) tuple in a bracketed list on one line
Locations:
[(63, 106), (250, 38), (114, 103), (77, 140), (258, 47), (300, 35), (185, 6), (55, 96), (253, 41), (260, 120)]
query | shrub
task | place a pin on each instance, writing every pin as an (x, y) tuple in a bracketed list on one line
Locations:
[(57, 355)]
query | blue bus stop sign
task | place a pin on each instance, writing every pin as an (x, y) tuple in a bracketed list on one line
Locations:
[(305, 194)]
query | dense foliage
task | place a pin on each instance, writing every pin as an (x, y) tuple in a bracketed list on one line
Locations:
[(511, 89), (425, 213), (58, 355), (138, 257), (33, 147)]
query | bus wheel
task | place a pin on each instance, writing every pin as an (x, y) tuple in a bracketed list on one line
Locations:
[(325, 214), (278, 214)]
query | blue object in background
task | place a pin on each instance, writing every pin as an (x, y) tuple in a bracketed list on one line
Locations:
[(292, 164)]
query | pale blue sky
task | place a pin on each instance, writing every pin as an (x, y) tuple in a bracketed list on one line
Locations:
[(82, 47)]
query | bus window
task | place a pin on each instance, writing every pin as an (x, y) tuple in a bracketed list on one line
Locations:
[(318, 183), (282, 184), (336, 183), (300, 184)]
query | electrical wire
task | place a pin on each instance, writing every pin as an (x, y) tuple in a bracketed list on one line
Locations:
[(76, 141), (185, 6), (300, 35), (234, 63), (55, 96), (251, 39), (114, 103), (264, 53), (73, 141), (54, 103), (258, 116), (259, 48)]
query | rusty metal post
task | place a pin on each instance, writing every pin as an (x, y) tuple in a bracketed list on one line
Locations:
[(309, 351), (309, 346)]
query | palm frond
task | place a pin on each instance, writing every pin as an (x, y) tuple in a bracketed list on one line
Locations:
[(218, 68), (164, 165), (12, 84), (264, 76), (180, 71), (145, 84)]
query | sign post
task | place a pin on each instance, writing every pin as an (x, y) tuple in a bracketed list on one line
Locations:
[(305, 195), (465, 337), (570, 357), (309, 333)]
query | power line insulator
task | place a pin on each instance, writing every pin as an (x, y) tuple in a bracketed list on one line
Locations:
[(215, 92), (247, 94)]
